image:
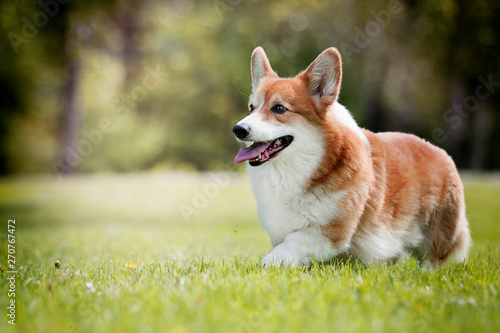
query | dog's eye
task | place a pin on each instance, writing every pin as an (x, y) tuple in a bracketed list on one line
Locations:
[(278, 108), (251, 107)]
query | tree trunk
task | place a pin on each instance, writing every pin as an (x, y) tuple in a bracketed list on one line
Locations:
[(126, 19), (482, 136), (457, 128), (70, 116)]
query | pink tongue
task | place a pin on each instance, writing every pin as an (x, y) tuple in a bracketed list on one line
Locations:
[(251, 152)]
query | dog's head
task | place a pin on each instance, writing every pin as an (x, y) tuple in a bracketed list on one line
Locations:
[(286, 112)]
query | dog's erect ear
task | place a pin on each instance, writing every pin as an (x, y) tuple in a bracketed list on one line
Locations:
[(260, 66), (323, 77)]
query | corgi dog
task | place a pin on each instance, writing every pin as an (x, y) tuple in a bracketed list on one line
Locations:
[(326, 187)]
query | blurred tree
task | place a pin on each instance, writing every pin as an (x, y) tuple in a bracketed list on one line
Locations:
[(462, 36), (11, 103), (71, 106), (140, 85)]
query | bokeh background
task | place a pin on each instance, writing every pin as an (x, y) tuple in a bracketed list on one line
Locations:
[(150, 85)]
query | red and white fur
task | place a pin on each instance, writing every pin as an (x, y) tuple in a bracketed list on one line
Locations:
[(337, 189)]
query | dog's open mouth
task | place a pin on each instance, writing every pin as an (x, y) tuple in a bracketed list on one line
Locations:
[(261, 152)]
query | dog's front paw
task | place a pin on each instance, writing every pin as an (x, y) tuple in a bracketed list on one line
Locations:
[(280, 256), (271, 260)]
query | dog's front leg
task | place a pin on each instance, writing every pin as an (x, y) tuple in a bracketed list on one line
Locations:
[(300, 248)]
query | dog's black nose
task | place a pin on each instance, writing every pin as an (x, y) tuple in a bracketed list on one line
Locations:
[(241, 131)]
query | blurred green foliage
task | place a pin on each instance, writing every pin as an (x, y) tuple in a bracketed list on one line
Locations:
[(160, 84)]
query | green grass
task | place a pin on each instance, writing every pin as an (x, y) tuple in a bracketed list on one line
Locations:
[(203, 274)]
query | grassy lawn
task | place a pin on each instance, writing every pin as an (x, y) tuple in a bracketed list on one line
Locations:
[(180, 253)]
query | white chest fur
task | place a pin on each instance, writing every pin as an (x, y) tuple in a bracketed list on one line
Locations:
[(284, 205), (279, 185)]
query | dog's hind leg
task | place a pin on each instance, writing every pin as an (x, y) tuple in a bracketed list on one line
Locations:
[(448, 231)]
